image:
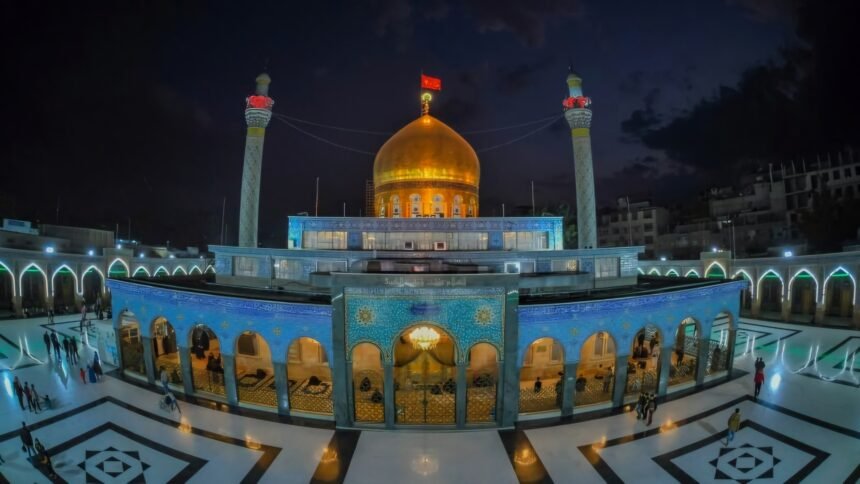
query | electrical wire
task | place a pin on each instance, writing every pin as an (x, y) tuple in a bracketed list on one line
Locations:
[(521, 125), (323, 140), (328, 126), (520, 138)]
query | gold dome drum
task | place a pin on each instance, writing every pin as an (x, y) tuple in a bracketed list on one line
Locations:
[(426, 170)]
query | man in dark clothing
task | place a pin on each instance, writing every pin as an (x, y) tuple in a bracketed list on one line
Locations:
[(759, 365), (651, 406), (19, 390), (56, 342), (29, 396), (66, 346), (27, 439), (47, 339), (73, 347)]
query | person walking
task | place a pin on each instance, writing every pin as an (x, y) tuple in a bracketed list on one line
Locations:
[(97, 366), (47, 339), (51, 316), (734, 425), (66, 347), (35, 398), (83, 375), (91, 373), (27, 440), (759, 364), (29, 396), (56, 343), (758, 379), (640, 406), (73, 346), (45, 460), (652, 406), (19, 390)]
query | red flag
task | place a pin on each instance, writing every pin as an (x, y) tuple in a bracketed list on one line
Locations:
[(432, 83)]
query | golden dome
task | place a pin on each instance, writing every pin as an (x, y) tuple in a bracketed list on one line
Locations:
[(427, 158)]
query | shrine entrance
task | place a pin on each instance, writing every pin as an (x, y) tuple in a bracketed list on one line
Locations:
[(425, 377)]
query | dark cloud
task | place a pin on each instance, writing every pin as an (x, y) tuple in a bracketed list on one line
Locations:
[(769, 10), (642, 121), (521, 76), (525, 19)]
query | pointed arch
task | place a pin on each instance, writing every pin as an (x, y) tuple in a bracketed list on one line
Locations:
[(653, 271), (178, 269), (799, 273), (749, 278), (161, 270), (141, 269), (692, 271), (210, 269), (113, 273), (775, 274), (57, 271), (708, 272), (195, 268), (672, 273), (39, 269), (11, 274), (836, 272)]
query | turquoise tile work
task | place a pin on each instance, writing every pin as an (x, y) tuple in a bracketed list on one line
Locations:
[(379, 316)]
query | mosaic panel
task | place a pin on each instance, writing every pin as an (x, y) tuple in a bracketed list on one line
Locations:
[(470, 316)]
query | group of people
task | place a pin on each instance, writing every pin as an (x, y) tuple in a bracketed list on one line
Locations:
[(29, 391), (646, 406), (69, 345), (35, 448)]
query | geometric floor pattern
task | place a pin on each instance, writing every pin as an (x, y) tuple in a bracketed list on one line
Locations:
[(805, 426)]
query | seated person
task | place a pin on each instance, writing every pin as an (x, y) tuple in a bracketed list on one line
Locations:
[(538, 385), (314, 381), (364, 386), (449, 386), (376, 396)]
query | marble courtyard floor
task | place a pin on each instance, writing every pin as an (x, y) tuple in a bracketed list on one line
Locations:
[(804, 427)]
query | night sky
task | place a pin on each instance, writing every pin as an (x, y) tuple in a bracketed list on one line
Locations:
[(133, 112)]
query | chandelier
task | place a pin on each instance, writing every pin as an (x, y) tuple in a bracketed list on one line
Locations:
[(424, 338)]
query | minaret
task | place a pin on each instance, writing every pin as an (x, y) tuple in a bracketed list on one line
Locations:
[(578, 115), (258, 112)]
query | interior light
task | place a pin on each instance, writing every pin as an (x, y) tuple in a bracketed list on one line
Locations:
[(663, 259), (119, 246), (91, 252), (49, 250), (788, 253)]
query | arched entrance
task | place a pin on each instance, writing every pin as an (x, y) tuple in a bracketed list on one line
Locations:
[(309, 377), (643, 363), (118, 268), (719, 351), (140, 272), (425, 377), (685, 353), (33, 288), (595, 373), (161, 272), (255, 374), (7, 288), (207, 369), (541, 376), (64, 283), (839, 294), (368, 383), (165, 352), (715, 271), (770, 293), (131, 345), (803, 294), (482, 377), (91, 284)]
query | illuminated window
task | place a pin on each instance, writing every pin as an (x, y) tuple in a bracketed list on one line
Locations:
[(291, 269), (246, 266), (606, 267)]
